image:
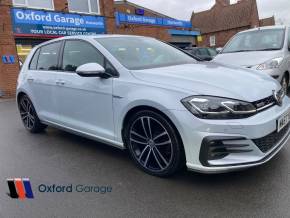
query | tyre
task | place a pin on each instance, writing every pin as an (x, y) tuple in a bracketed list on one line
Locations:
[(154, 144), (29, 116), (285, 83)]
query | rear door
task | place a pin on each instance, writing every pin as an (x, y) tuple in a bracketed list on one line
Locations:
[(85, 104), (42, 80)]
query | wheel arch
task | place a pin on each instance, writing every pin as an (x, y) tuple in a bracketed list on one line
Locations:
[(138, 108), (19, 95)]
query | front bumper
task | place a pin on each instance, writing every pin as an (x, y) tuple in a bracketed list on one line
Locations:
[(245, 137)]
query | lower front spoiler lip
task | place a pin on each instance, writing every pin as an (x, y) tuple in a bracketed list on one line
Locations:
[(211, 169)]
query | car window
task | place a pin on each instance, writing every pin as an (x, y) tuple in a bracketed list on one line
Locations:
[(137, 53), (212, 52), (203, 52), (33, 63), (77, 53), (48, 57), (194, 51), (257, 40)]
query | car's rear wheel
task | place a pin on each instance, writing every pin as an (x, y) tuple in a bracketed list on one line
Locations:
[(29, 116), (154, 144)]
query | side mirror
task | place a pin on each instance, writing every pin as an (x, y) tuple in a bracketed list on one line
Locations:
[(289, 46), (219, 49), (92, 70)]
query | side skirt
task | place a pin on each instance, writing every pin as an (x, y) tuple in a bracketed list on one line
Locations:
[(112, 143)]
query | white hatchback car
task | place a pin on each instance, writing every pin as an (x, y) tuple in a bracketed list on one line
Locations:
[(167, 109)]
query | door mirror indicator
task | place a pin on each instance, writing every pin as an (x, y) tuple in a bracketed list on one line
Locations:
[(92, 70)]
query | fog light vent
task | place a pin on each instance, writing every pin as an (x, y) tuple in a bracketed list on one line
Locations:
[(216, 148)]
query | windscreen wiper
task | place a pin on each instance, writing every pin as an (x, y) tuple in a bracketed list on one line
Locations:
[(238, 51), (269, 49)]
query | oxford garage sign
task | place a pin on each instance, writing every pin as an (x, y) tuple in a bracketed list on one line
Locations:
[(53, 24), (122, 18)]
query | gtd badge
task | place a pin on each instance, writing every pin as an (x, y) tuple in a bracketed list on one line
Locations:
[(20, 188)]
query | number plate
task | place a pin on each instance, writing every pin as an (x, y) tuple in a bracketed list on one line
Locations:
[(283, 121)]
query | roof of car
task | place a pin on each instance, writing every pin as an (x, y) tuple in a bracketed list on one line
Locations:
[(264, 28), (99, 36)]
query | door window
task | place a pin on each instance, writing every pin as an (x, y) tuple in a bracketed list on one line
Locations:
[(48, 57), (77, 53)]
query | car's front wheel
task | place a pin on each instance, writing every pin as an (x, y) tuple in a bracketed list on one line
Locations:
[(29, 116), (154, 144)]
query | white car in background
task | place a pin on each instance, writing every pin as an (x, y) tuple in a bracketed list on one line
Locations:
[(167, 109), (265, 49)]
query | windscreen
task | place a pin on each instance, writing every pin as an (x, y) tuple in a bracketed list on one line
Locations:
[(136, 53), (260, 40)]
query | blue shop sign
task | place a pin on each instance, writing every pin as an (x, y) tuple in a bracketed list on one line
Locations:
[(28, 22), (122, 18)]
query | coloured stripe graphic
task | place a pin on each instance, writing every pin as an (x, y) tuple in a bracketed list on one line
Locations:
[(20, 188)]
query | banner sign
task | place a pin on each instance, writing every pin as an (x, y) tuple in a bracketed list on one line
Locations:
[(28, 22), (122, 18)]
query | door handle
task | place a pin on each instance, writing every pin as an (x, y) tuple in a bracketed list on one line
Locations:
[(30, 80), (60, 82)]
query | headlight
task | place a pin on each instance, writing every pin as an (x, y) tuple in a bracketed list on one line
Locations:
[(271, 64), (208, 107)]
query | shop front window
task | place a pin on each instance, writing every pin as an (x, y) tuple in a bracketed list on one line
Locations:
[(43, 4), (23, 51), (84, 6)]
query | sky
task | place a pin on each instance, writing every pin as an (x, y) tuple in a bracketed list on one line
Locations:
[(182, 9)]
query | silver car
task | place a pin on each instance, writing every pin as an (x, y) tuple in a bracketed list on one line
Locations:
[(264, 49), (167, 109)]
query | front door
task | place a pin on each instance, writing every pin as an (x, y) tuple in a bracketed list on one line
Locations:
[(85, 104)]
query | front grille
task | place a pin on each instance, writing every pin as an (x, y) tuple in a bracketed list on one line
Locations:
[(269, 101), (268, 142)]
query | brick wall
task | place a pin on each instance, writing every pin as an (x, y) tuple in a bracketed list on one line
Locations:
[(8, 72), (107, 10), (61, 5), (255, 15)]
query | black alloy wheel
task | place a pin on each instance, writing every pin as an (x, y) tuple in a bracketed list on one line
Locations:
[(29, 116), (153, 144)]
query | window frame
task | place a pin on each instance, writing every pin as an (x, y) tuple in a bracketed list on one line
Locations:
[(106, 61), (89, 6), (36, 53), (26, 5), (289, 38)]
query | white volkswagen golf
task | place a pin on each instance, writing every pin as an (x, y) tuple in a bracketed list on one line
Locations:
[(166, 108)]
